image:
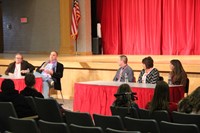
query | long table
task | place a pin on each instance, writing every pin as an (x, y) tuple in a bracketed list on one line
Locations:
[(98, 96), (20, 83)]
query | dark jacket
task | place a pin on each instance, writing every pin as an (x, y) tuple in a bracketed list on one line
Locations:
[(128, 70), (28, 91), (21, 106), (24, 66), (151, 78), (57, 75)]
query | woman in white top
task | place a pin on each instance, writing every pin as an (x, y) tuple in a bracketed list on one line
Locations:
[(149, 74)]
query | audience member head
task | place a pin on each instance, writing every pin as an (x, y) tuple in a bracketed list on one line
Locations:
[(176, 67), (29, 80), (193, 100), (18, 58), (160, 98), (121, 98), (7, 86), (123, 60), (185, 106), (53, 56), (147, 62), (123, 88)]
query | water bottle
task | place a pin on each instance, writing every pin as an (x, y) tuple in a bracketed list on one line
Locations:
[(126, 77), (169, 80)]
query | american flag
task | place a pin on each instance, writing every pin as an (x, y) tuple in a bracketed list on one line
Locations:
[(76, 15)]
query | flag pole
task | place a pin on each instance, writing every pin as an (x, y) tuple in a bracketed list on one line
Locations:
[(76, 47)]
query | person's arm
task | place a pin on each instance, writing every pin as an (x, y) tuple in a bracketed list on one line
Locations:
[(130, 76), (140, 77), (30, 67), (59, 71), (154, 77), (8, 70), (38, 69)]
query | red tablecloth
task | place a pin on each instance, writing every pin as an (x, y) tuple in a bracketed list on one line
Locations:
[(20, 83), (98, 99)]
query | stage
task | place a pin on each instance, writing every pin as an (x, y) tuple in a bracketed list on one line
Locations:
[(80, 68)]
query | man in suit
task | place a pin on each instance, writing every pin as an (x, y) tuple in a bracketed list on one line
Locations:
[(51, 72), (124, 70), (19, 66)]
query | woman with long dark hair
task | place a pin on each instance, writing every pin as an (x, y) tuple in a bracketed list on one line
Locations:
[(160, 100), (190, 104), (177, 75)]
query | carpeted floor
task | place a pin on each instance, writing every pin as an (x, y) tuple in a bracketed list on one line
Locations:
[(67, 104)]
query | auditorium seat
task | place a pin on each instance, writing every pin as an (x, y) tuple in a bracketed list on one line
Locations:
[(114, 122), (23, 126), (53, 127), (186, 118), (124, 111), (159, 115), (168, 127), (31, 102), (110, 130), (6, 110), (84, 129), (142, 125), (77, 118), (48, 110)]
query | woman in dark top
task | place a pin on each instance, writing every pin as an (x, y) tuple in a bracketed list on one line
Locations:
[(177, 75), (148, 74), (160, 100), (124, 97), (9, 94), (29, 90)]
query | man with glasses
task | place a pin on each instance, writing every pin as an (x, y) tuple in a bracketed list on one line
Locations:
[(19, 67)]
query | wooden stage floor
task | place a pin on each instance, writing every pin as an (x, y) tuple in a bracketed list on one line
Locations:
[(103, 67)]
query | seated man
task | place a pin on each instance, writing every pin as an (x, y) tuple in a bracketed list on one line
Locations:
[(51, 72), (124, 70), (19, 67)]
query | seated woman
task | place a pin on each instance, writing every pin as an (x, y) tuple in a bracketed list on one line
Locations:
[(9, 94), (29, 90), (124, 97), (160, 100), (148, 74), (177, 75), (190, 104)]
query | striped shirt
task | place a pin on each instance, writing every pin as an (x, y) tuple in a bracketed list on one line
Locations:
[(151, 78)]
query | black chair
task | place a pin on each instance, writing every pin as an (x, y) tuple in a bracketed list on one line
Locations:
[(31, 102), (159, 115), (77, 118), (142, 125), (83, 129), (168, 127), (114, 122), (23, 126), (183, 118), (186, 89), (6, 110), (52, 127), (124, 111), (109, 130), (48, 110)]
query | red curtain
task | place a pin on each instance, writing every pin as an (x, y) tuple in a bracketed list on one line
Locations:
[(169, 27)]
